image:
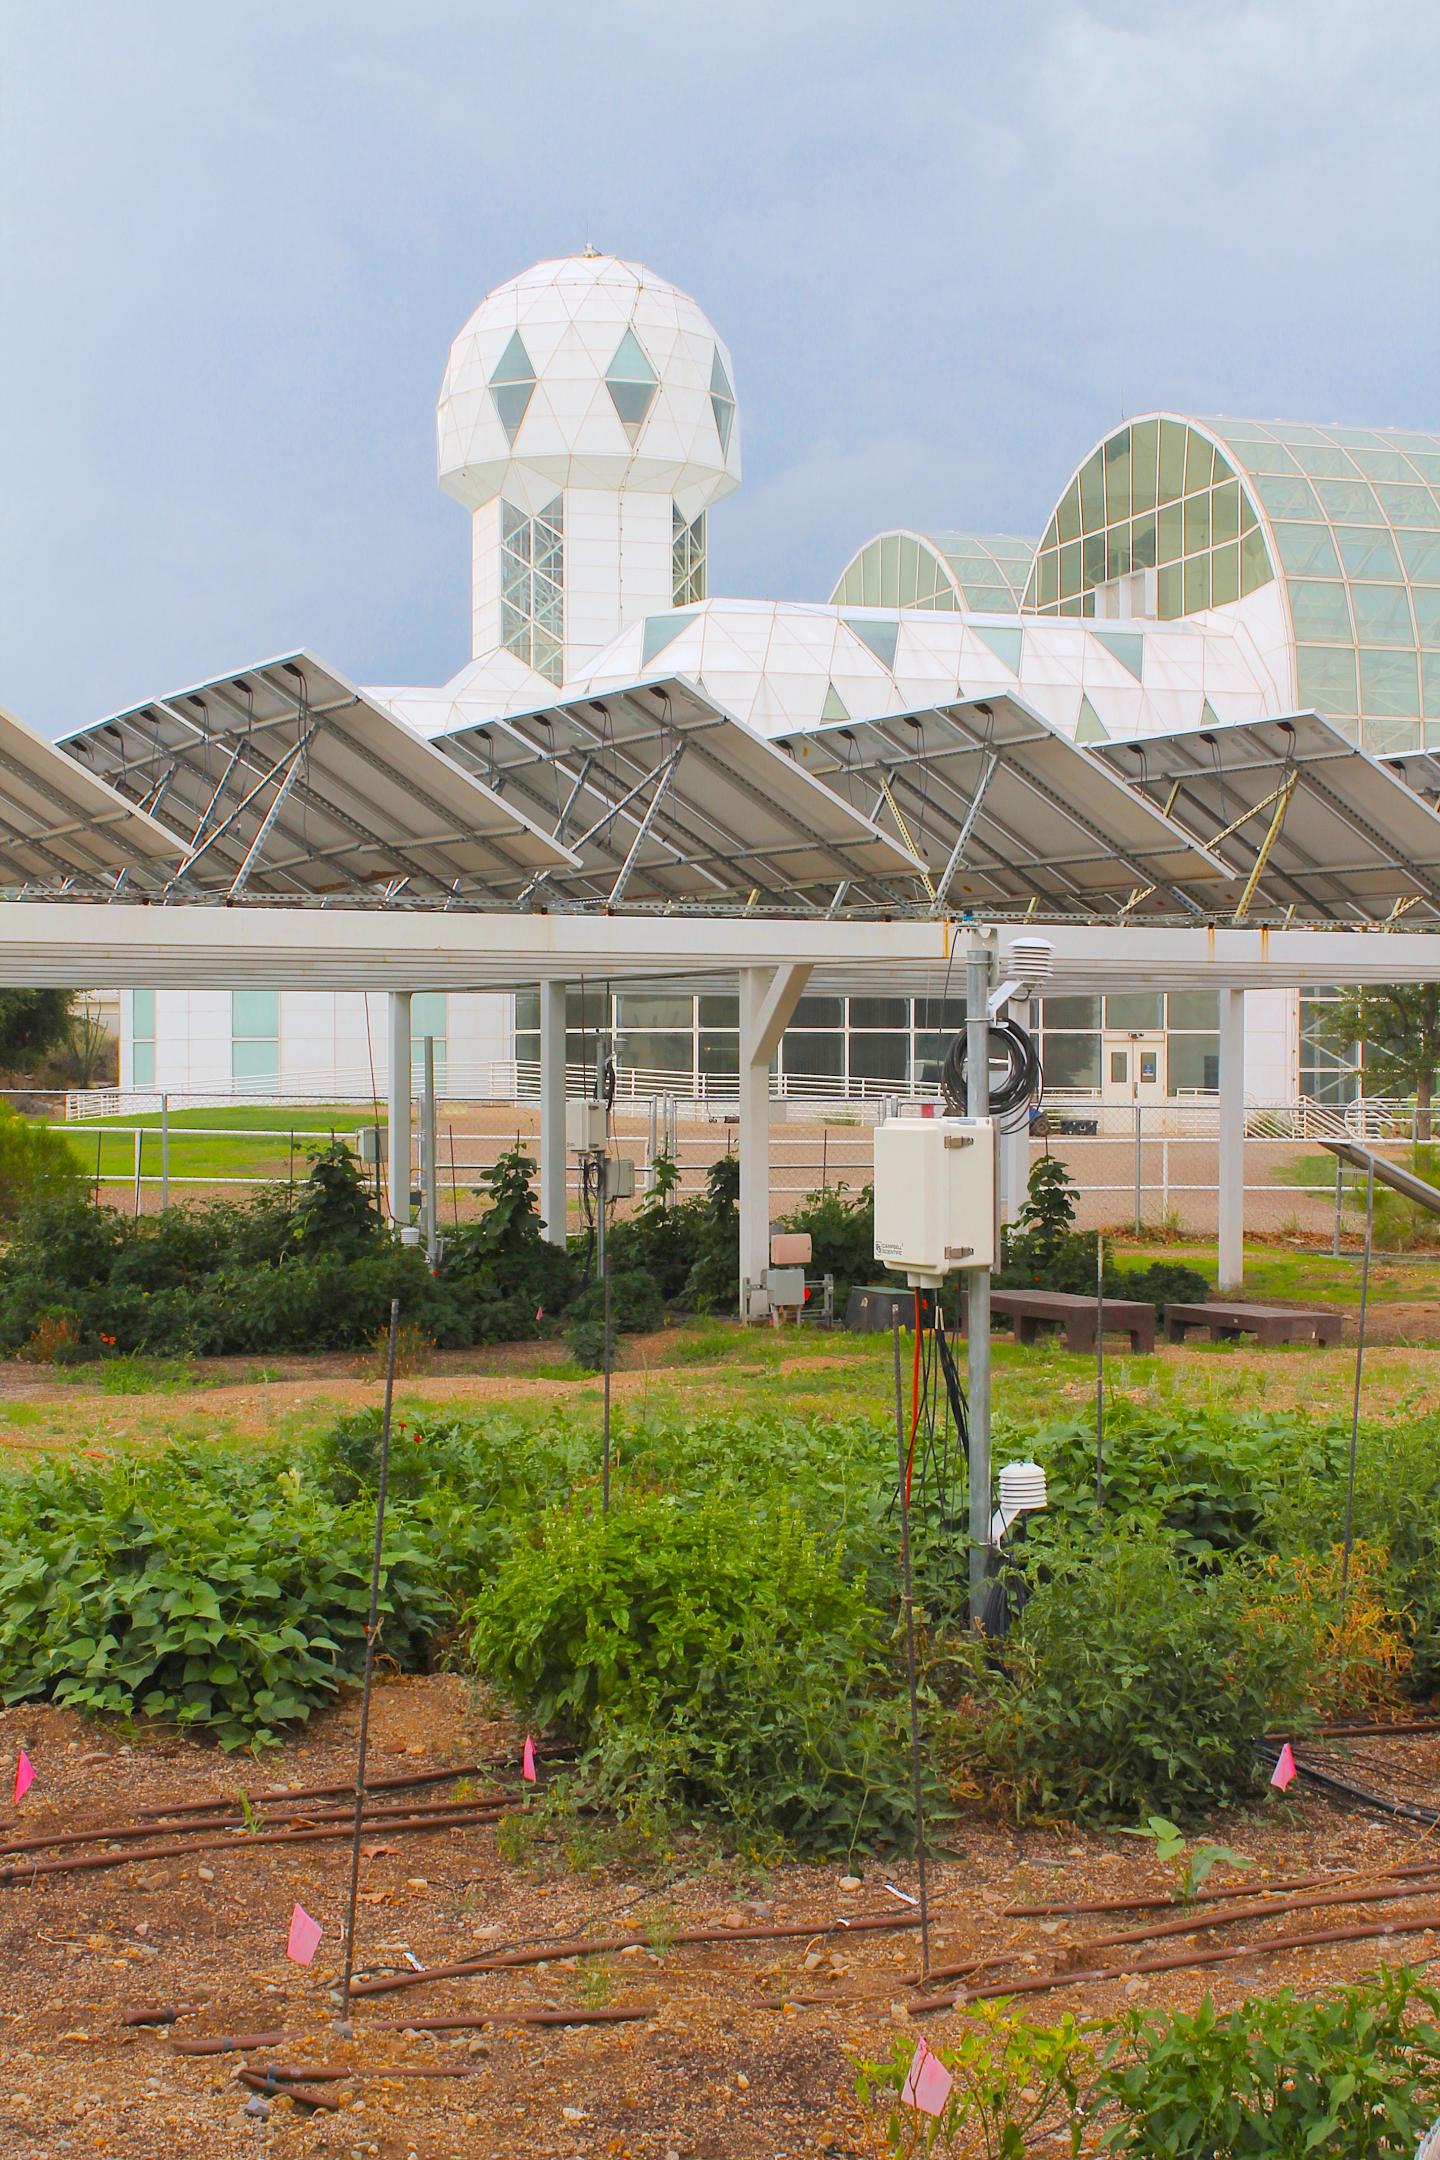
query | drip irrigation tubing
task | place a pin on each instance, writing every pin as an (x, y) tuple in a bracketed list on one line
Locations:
[(1353, 1795), (616, 2014), (197, 1825), (1192, 1923), (1215, 1893), (603, 1945), (17, 1877), (228, 2043), (282, 1795), (1219, 1954), (311, 2096), (336, 2073)]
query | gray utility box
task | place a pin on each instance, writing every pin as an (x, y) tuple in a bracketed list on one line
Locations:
[(785, 1285), (873, 1309)]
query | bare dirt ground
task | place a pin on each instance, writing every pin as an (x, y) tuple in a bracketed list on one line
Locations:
[(744, 2051)]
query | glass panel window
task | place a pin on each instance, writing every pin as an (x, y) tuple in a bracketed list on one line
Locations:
[(142, 1064), (1194, 1009), (719, 1053), (1197, 523), (1225, 575), (1422, 556), (1119, 1066), (1254, 561), (1406, 505), (880, 1057), (1135, 1009), (1142, 547), (429, 1015), (255, 1035), (1327, 678), (527, 1049), (1197, 583), (527, 1009), (818, 1012), (1426, 599), (1430, 683), (1070, 1012), (1382, 615), (1194, 1064), (1288, 498), (1172, 459), (532, 579), (1307, 551), (1170, 532), (1367, 554), (1319, 610), (142, 1014), (1170, 592), (816, 1057), (719, 1012), (1350, 499), (254, 1061), (1092, 496), (1144, 456), (1225, 512), (879, 1012), (1072, 1061), (1389, 683), (654, 1012), (645, 1052)]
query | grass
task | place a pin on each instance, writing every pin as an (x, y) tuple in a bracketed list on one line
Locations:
[(198, 1147), (1291, 1276)]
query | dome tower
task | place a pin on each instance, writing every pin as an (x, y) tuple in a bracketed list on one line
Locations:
[(587, 420)]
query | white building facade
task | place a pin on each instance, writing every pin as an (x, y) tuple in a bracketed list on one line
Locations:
[(1193, 572)]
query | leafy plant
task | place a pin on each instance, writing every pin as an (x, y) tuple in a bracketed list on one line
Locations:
[(1193, 1864), (841, 1226), (714, 1279), (1134, 1685), (1353, 2075), (335, 1207), (712, 1654), (36, 1162), (1013, 2083)]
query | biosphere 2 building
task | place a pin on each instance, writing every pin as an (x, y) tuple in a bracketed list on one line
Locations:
[(1194, 572)]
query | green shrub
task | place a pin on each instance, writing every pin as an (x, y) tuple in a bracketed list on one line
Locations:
[(709, 1652), (335, 1207), (1135, 1686), (1353, 2076), (222, 1594), (1045, 1252), (36, 1163), (713, 1284)]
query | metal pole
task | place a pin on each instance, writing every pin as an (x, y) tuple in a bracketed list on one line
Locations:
[(1099, 1370), (1339, 1203), (399, 1108), (430, 1184), (139, 1147), (601, 1183), (371, 1631), (1137, 1166), (1359, 1368), (908, 1600), (977, 1103), (164, 1151)]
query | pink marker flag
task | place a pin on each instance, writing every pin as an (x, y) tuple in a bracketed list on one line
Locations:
[(305, 1935), (527, 1761), (927, 2082), (24, 1775), (1285, 1772)]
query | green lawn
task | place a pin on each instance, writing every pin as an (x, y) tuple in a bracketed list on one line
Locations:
[(197, 1150), (1285, 1277)]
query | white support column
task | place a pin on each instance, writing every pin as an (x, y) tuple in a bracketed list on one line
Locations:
[(552, 1110), (398, 1167), (1232, 1139), (768, 997)]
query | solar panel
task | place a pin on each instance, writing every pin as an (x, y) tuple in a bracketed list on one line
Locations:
[(1004, 809), (61, 828), (286, 779), (664, 797), (1307, 822)]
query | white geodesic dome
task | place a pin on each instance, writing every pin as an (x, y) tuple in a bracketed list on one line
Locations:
[(589, 372)]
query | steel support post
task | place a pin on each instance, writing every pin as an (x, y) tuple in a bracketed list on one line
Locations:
[(977, 1280), (1232, 1139), (398, 1165), (768, 997), (552, 1110)]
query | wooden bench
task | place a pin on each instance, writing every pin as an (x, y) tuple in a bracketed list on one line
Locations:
[(1031, 1310), (1226, 1322)]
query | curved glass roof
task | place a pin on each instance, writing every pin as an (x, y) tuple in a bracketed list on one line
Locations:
[(1194, 513), (982, 572)]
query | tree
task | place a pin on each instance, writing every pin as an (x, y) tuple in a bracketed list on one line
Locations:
[(1400, 1029), (32, 1022)]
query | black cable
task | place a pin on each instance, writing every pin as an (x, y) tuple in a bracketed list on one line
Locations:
[(1023, 1082)]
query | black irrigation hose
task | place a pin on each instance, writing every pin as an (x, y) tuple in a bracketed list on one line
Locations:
[(1351, 1794), (1022, 1084)]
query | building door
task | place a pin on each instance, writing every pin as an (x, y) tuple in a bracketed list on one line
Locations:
[(1132, 1068)]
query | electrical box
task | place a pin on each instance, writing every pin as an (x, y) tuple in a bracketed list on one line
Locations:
[(371, 1140), (619, 1178), (584, 1125), (785, 1286), (935, 1195)]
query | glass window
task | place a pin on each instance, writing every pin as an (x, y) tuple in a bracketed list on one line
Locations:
[(1071, 1061), (1367, 554), (1136, 1009), (1194, 1009), (1322, 458), (1350, 499), (1197, 523), (527, 1009), (654, 1012), (527, 1049), (1070, 1012), (1406, 505), (722, 402), (587, 1009), (1199, 462), (1194, 1063), (142, 1064), (1319, 610), (1389, 683), (1430, 678), (254, 1012), (1307, 551), (1382, 464), (1382, 615), (1197, 583), (1144, 458), (255, 1060), (1426, 600), (818, 1012), (719, 1053), (1422, 555), (1142, 543), (429, 1015), (879, 1012), (935, 1012), (1225, 575), (512, 386), (1225, 511), (532, 575), (1067, 517), (1170, 532), (1254, 559), (1172, 459), (1327, 678), (1117, 477), (1170, 591), (142, 1014), (1288, 498), (645, 1052), (880, 1057), (816, 1057), (719, 1012), (1092, 495), (1119, 1065)]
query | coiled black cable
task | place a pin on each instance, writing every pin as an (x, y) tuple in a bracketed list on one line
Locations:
[(1023, 1082)]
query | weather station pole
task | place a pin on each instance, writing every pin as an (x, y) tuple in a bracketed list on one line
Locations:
[(977, 1105)]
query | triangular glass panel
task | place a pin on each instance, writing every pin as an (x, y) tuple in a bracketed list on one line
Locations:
[(722, 402), (1127, 646), (881, 637), (1091, 727), (834, 707), (1007, 645), (1208, 715), (632, 384), (660, 631), (512, 386)]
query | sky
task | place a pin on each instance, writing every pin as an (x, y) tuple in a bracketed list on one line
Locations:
[(948, 245)]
